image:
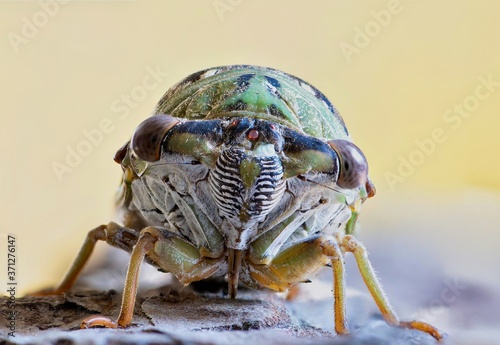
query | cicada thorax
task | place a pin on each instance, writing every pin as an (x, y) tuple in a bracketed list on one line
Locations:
[(246, 188), (255, 92)]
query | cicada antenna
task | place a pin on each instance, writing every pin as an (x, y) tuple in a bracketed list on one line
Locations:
[(303, 178), (180, 163)]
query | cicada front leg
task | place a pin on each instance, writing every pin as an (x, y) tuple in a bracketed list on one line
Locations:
[(289, 267), (351, 244), (170, 252), (300, 261), (296, 263), (332, 251), (144, 244), (112, 233)]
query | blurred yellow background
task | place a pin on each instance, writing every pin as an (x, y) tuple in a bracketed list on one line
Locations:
[(417, 83)]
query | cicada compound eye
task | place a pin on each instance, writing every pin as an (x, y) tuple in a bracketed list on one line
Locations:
[(353, 170), (147, 138)]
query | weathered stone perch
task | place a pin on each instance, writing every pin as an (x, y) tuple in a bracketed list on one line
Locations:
[(255, 317)]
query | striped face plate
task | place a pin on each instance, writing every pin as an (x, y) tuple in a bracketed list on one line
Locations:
[(245, 207)]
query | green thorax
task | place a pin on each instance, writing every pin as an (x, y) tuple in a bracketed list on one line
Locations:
[(257, 92)]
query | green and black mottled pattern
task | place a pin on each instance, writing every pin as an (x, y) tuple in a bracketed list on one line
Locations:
[(257, 92)]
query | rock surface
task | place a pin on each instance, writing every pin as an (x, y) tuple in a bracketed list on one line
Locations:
[(255, 317)]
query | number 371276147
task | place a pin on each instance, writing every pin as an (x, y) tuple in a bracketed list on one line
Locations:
[(11, 258)]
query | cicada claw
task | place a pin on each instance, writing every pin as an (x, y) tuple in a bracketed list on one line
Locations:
[(98, 321), (424, 327)]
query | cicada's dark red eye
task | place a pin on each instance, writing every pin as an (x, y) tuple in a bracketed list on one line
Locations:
[(148, 136), (353, 165)]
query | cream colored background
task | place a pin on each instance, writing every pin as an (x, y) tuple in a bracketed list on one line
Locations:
[(427, 58)]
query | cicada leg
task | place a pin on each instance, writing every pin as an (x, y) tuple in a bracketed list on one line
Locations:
[(170, 252), (332, 250), (112, 233), (350, 244), (290, 266), (296, 263), (145, 243)]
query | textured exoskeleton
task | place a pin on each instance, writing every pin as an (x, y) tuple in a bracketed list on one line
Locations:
[(245, 172)]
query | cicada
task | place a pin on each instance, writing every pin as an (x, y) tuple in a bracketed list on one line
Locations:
[(244, 172)]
